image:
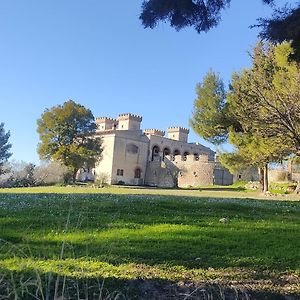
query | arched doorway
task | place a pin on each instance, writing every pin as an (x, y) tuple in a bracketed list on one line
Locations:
[(137, 173), (166, 152), (176, 152), (155, 153)]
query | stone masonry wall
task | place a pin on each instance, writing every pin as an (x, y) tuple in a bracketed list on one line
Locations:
[(188, 173)]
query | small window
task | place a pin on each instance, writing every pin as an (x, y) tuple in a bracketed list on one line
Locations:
[(195, 174), (137, 173), (185, 154), (120, 172), (240, 176)]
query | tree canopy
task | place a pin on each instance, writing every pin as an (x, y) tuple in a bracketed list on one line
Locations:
[(283, 26), (67, 135), (261, 113), (265, 97), (5, 146), (204, 15)]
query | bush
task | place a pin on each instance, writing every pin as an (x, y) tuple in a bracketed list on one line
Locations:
[(22, 174), (101, 180)]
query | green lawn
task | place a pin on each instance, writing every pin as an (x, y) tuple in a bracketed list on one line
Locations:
[(168, 236)]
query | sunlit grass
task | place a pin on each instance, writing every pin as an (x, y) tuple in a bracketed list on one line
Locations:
[(174, 235)]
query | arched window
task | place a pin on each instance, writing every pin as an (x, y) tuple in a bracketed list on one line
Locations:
[(166, 151), (185, 154), (155, 153), (137, 173), (132, 149), (196, 156), (175, 153)]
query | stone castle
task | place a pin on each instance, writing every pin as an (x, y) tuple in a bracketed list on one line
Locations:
[(135, 157)]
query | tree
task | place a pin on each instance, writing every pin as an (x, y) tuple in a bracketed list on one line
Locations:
[(67, 136), (261, 114), (283, 26), (4, 147), (252, 149), (211, 117), (202, 15), (214, 120), (266, 96)]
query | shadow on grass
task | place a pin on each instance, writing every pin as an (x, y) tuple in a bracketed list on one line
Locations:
[(26, 285), (154, 230)]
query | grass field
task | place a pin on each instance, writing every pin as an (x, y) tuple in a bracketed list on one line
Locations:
[(72, 240)]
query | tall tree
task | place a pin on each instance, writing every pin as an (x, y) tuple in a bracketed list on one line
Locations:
[(266, 96), (211, 117), (67, 135), (261, 113), (4, 147)]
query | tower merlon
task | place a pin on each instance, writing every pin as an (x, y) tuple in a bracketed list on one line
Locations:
[(105, 123), (178, 129), (130, 116), (154, 131), (128, 121), (178, 134)]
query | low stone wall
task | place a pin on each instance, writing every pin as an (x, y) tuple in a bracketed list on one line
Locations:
[(159, 175), (277, 175), (188, 173)]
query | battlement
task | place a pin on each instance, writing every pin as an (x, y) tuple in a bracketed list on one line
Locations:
[(104, 123), (178, 134), (179, 129), (154, 132), (105, 119), (129, 121), (129, 116)]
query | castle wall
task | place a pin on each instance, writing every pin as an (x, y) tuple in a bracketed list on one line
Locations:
[(187, 173), (182, 147), (158, 175), (104, 166), (249, 174), (130, 154)]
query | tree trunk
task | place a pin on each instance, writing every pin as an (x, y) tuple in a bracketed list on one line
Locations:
[(266, 181), (261, 173), (74, 175), (297, 189)]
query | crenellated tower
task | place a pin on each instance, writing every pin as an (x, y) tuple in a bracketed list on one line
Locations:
[(178, 134), (129, 121)]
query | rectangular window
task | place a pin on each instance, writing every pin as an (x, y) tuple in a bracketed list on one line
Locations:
[(120, 172)]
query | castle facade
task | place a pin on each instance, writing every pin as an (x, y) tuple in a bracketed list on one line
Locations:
[(135, 157)]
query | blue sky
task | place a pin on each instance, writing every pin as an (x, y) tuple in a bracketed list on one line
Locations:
[(97, 53)]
